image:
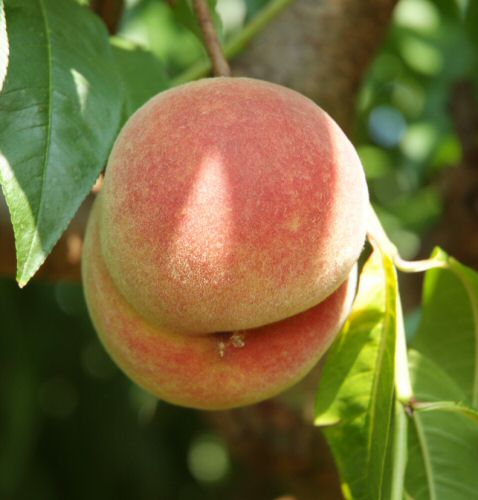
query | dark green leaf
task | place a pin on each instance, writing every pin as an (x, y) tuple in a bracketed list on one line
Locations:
[(142, 73), (356, 395), (3, 45), (60, 112)]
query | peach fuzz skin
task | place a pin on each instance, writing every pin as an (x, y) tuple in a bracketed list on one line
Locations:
[(230, 204), (211, 371)]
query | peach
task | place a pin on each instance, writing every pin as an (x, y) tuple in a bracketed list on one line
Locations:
[(231, 203), (219, 258), (215, 371)]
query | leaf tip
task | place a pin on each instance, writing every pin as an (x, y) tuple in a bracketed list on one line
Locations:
[(22, 281), (26, 272)]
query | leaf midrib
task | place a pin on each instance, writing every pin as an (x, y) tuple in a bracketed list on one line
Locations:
[(426, 456), (22, 278), (380, 355), (474, 308)]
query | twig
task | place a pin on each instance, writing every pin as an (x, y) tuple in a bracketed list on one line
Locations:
[(110, 11), (464, 113), (220, 65), (379, 237), (239, 42)]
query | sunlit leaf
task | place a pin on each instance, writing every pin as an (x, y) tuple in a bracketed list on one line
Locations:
[(356, 395), (60, 111)]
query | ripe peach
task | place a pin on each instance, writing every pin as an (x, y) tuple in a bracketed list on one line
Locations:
[(230, 203), (231, 207), (215, 371)]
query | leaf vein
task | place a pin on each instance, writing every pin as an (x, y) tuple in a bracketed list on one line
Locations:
[(48, 139)]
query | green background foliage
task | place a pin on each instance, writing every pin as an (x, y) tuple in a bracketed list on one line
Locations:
[(72, 426)]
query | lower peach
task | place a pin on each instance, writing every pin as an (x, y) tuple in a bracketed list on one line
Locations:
[(211, 371)]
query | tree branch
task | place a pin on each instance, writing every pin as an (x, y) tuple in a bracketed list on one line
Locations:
[(213, 46), (457, 230), (322, 49)]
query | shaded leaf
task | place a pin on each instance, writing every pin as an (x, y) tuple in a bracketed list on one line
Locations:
[(142, 73), (356, 394), (60, 112), (448, 330)]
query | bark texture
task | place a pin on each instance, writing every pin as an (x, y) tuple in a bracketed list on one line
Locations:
[(321, 48), (457, 231)]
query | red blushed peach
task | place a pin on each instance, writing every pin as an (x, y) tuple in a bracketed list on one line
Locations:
[(228, 204), (211, 371)]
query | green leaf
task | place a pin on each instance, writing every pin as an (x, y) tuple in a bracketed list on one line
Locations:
[(448, 331), (60, 112), (443, 436), (142, 73), (3, 45), (356, 394), (450, 406)]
